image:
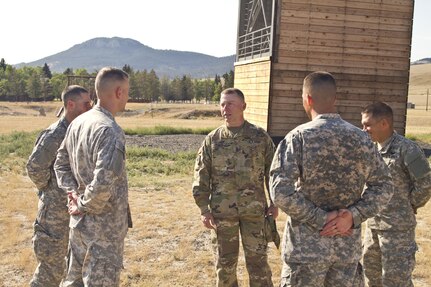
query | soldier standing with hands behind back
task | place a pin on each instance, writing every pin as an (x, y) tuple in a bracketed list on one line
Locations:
[(51, 227), (389, 243), (317, 177), (231, 173), (90, 167)]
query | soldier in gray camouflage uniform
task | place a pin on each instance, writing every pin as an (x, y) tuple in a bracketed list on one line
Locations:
[(231, 173), (317, 177), (389, 244), (90, 167), (51, 226)]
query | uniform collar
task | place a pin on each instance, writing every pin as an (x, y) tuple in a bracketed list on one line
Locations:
[(228, 133), (328, 116), (104, 111), (64, 122), (384, 147)]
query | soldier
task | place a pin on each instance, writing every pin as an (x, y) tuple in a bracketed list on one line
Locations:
[(90, 167), (389, 243), (51, 226), (317, 177), (231, 174)]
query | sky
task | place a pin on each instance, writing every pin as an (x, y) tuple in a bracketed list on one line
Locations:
[(32, 30)]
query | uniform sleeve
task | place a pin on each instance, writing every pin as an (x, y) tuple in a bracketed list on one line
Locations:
[(285, 172), (201, 186), (419, 172), (63, 171), (40, 163), (377, 192), (269, 155), (110, 166)]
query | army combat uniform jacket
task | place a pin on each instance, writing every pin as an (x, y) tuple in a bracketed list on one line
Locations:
[(411, 176), (231, 171), (322, 166), (51, 228), (40, 165), (91, 162)]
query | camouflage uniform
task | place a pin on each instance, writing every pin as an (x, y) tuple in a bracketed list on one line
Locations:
[(389, 245), (230, 175), (319, 167), (91, 162), (51, 226)]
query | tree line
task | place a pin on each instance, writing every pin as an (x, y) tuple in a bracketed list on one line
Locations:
[(40, 84)]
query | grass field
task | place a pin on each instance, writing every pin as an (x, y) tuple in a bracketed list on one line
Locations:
[(420, 86), (167, 246)]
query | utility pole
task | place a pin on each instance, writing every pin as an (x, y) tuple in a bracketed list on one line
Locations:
[(428, 93)]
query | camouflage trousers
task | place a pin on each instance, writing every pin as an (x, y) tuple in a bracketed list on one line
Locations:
[(226, 250), (91, 262), (389, 257), (321, 275), (51, 229)]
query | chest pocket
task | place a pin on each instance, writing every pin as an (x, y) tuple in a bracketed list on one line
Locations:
[(224, 158), (392, 158)]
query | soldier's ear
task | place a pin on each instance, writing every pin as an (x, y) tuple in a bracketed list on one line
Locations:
[(309, 100), (244, 106), (385, 123), (118, 92), (70, 105)]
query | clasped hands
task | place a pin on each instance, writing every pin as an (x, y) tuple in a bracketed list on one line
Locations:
[(338, 222), (73, 203)]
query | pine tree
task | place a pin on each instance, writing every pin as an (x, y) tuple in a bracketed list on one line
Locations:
[(3, 64), (46, 71)]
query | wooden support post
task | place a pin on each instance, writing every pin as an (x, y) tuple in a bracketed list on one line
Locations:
[(428, 93)]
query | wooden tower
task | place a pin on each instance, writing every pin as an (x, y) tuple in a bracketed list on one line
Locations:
[(365, 44)]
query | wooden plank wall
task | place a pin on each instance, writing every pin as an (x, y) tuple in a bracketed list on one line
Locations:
[(365, 44), (253, 79)]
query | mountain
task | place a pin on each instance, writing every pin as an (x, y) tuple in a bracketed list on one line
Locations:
[(117, 52), (422, 61)]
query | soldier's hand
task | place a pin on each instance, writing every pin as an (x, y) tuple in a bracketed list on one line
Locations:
[(208, 221), (331, 216), (73, 209), (272, 210), (345, 222), (341, 225), (73, 203)]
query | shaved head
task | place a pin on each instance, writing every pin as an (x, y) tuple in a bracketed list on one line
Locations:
[(321, 87), (72, 93), (107, 79)]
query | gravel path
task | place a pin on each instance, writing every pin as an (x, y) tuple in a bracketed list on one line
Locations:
[(171, 143), (190, 142)]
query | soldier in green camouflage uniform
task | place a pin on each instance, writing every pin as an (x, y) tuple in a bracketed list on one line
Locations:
[(389, 244), (90, 167), (317, 177), (231, 172), (51, 227)]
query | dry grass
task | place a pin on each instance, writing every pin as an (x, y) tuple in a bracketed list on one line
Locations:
[(25, 117), (420, 82), (168, 245), (423, 238), (418, 121), (18, 205)]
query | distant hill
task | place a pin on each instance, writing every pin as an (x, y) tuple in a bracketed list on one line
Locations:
[(100, 52), (420, 84), (422, 61)]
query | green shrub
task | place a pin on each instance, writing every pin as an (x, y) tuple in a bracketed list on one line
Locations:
[(15, 149)]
